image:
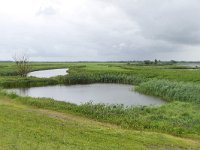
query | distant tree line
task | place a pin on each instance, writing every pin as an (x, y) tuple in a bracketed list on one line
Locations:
[(156, 62)]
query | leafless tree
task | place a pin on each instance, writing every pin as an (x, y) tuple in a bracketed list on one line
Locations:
[(22, 64)]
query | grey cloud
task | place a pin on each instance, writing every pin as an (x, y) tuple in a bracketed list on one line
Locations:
[(46, 11), (173, 21), (107, 30)]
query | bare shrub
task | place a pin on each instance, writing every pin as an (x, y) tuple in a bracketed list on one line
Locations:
[(22, 64)]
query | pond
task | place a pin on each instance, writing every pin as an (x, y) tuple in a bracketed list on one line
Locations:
[(96, 93), (48, 73)]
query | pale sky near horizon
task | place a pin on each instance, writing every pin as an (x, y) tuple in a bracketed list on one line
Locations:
[(100, 30)]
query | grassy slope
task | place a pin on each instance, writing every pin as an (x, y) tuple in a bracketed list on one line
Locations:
[(25, 127), (176, 118)]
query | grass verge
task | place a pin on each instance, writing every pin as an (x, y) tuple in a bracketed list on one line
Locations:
[(25, 127)]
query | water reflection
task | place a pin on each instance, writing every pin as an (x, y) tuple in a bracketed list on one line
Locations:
[(48, 73), (97, 93)]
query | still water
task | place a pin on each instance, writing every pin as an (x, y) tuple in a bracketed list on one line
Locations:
[(96, 93), (48, 73)]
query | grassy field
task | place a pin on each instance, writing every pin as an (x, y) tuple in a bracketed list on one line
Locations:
[(30, 123), (25, 127)]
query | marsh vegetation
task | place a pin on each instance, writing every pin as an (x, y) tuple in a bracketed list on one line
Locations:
[(180, 116)]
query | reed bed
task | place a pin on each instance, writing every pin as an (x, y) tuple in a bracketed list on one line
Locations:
[(171, 91)]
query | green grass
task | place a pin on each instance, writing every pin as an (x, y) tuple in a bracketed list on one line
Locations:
[(171, 91), (24, 127), (179, 117), (97, 72)]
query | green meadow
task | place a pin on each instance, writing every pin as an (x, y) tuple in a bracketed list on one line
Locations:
[(40, 123)]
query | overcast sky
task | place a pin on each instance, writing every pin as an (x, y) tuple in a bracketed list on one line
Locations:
[(74, 30)]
